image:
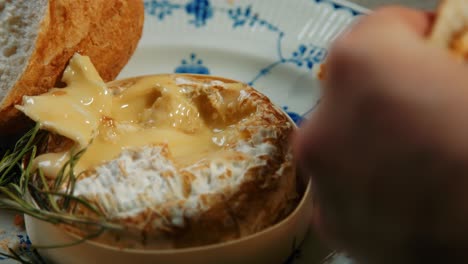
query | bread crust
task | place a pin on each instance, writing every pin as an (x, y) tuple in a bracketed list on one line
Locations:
[(450, 30), (107, 31)]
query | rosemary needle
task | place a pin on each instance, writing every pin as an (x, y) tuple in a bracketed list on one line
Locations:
[(25, 189)]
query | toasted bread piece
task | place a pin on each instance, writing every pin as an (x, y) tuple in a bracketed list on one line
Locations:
[(39, 37), (450, 30)]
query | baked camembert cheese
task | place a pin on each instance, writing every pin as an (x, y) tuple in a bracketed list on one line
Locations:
[(179, 160)]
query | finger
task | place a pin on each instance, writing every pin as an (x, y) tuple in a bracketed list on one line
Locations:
[(420, 22), (416, 21), (307, 139), (387, 31)]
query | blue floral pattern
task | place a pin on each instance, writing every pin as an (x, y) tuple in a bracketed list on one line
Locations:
[(339, 6), (160, 9), (21, 245), (242, 16), (201, 10), (306, 55), (24, 243), (194, 65), (294, 116)]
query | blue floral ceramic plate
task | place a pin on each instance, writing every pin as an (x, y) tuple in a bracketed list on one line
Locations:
[(276, 46)]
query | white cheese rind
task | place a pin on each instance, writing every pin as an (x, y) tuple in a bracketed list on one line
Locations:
[(145, 178)]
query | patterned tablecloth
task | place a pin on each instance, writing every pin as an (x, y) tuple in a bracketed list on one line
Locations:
[(12, 235)]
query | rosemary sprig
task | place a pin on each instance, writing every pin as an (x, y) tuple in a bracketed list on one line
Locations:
[(11, 160), (16, 256), (33, 256), (71, 181), (25, 189)]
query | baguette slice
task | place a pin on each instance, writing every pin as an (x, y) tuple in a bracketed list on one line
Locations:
[(450, 30), (39, 37)]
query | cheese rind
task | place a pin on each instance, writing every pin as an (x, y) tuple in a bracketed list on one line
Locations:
[(178, 160)]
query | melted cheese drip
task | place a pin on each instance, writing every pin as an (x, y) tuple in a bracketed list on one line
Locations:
[(152, 111), (75, 111)]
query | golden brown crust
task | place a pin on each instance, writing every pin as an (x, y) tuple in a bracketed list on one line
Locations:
[(459, 44), (450, 29), (107, 31)]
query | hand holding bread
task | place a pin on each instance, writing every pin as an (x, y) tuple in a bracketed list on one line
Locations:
[(387, 148), (450, 30)]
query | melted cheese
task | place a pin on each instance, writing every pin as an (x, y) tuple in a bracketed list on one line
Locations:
[(152, 111), (76, 110), (163, 148)]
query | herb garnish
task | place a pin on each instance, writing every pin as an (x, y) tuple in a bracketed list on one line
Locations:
[(25, 189)]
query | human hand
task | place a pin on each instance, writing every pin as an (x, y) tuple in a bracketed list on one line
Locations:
[(387, 148)]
